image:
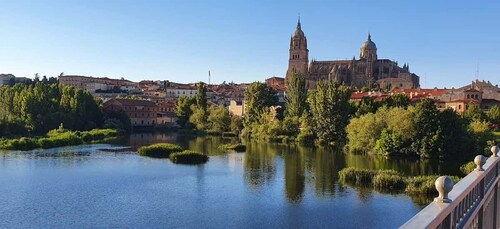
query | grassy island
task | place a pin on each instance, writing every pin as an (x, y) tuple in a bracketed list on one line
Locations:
[(234, 147), (159, 150), (59, 137), (390, 180), (188, 157)]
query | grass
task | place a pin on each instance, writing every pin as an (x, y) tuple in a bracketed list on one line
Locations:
[(159, 150), (357, 176), (57, 138), (235, 147), (188, 157), (390, 180)]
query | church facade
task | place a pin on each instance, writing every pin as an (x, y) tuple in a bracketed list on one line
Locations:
[(368, 70)]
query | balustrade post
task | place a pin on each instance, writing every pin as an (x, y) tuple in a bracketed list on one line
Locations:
[(444, 185), (479, 160), (494, 151)]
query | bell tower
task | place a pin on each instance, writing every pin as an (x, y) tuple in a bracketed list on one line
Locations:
[(299, 54)]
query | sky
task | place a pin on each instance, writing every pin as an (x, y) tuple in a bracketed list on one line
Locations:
[(447, 43)]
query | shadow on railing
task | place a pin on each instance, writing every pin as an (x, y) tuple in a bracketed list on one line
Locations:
[(471, 203)]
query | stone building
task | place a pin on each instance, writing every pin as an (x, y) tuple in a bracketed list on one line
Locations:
[(141, 112), (368, 70)]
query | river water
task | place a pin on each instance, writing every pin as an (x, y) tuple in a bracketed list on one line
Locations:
[(270, 185)]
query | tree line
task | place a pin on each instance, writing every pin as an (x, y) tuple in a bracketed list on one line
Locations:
[(392, 126), (34, 109)]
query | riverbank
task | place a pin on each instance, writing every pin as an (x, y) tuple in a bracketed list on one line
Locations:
[(58, 138)]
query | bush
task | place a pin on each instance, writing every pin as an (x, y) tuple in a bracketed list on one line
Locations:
[(236, 147), (159, 150), (424, 185), (468, 167), (188, 157), (388, 181)]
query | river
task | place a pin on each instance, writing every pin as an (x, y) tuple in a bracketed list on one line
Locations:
[(270, 185)]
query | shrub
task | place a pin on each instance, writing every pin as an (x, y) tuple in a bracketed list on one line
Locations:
[(424, 185), (468, 167), (236, 147), (188, 157), (159, 150), (388, 181)]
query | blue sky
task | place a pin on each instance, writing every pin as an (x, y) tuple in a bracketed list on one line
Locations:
[(244, 41)]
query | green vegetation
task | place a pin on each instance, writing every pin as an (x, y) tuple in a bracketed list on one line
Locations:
[(326, 116), (419, 130), (468, 167), (234, 147), (159, 150), (296, 98), (59, 137), (390, 180), (330, 112), (36, 109), (194, 113), (188, 157), (424, 185)]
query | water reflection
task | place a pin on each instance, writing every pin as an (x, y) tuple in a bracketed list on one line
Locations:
[(303, 166), (263, 164), (259, 164)]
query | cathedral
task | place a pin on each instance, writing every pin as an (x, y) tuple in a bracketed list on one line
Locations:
[(368, 70)]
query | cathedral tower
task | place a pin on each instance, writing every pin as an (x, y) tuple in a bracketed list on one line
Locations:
[(299, 54), (368, 53)]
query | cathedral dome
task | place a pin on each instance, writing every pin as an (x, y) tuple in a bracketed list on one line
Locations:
[(368, 44)]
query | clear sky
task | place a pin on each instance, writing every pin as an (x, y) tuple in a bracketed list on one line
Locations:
[(243, 41)]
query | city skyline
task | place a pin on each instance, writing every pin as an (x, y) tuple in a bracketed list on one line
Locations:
[(242, 41)]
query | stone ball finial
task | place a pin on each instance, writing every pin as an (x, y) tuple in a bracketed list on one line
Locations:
[(494, 151), (479, 160), (444, 185)]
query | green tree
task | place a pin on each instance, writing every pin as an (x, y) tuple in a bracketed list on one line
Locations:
[(296, 96), (198, 118), (201, 97), (473, 113), (236, 123), (494, 114), (481, 133), (258, 97), (428, 140), (183, 109), (367, 105), (330, 111), (398, 100), (219, 119)]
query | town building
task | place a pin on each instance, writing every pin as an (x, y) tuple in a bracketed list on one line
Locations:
[(140, 112), (368, 70), (237, 107), (7, 79), (93, 84), (176, 90)]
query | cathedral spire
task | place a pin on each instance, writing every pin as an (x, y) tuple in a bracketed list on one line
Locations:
[(369, 37), (298, 23)]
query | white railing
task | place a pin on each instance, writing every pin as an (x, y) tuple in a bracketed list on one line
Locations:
[(474, 202)]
